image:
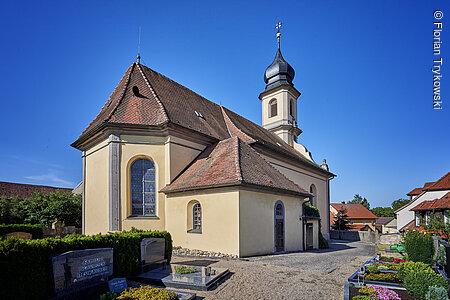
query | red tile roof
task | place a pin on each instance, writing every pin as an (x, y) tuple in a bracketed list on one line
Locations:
[(144, 97), (355, 211), (415, 192), (232, 162), (411, 225), (26, 191), (359, 227), (441, 203), (442, 184)]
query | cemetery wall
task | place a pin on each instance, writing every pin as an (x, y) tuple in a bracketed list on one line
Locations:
[(365, 236)]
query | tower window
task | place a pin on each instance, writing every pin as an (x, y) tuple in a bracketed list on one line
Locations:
[(273, 108), (291, 108)]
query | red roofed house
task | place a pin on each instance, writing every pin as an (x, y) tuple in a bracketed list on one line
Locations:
[(26, 191), (361, 219), (431, 191), (159, 156)]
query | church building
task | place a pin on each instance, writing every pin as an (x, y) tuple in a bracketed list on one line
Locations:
[(158, 156)]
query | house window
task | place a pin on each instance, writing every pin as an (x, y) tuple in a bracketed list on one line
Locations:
[(417, 219), (351, 222), (273, 108), (427, 217), (143, 188), (446, 217), (364, 222), (197, 217)]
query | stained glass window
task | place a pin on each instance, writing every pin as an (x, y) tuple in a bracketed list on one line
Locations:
[(143, 188)]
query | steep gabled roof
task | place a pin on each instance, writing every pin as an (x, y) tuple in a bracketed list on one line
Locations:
[(232, 162), (354, 211), (442, 184), (415, 192), (144, 97), (26, 191)]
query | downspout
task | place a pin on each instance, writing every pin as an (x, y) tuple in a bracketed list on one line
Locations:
[(303, 226)]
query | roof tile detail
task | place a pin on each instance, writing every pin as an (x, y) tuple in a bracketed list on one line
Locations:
[(441, 203), (231, 162), (26, 191), (442, 184)]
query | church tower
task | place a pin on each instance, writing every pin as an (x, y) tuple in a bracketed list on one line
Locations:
[(279, 100)]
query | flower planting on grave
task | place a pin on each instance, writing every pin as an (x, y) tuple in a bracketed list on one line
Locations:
[(147, 292), (376, 292), (184, 270), (27, 261)]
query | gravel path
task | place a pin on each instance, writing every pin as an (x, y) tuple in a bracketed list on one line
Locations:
[(309, 275)]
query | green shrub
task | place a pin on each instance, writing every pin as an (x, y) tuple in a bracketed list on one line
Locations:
[(418, 280), (359, 297), (436, 293), (147, 292), (410, 267), (419, 247), (35, 230), (184, 270), (27, 260), (108, 296), (372, 269), (381, 277)]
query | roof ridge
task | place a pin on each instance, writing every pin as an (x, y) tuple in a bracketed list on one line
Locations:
[(153, 92), (238, 162), (273, 168), (227, 120), (127, 82)]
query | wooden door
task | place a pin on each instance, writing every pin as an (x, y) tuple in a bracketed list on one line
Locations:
[(279, 235), (309, 236)]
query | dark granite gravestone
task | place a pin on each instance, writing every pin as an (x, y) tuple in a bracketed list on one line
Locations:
[(152, 253), (81, 269), (117, 285)]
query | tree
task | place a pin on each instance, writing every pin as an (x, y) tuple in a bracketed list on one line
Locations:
[(399, 203), (383, 211), (357, 199), (342, 222)]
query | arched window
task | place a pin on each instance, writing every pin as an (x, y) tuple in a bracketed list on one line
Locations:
[(143, 188), (291, 108), (313, 192), (273, 108), (197, 217)]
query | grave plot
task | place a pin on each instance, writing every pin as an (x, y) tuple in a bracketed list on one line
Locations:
[(201, 278)]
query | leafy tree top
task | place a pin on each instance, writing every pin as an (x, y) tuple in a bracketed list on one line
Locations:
[(357, 199)]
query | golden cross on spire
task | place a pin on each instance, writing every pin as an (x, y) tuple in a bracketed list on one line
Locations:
[(277, 26)]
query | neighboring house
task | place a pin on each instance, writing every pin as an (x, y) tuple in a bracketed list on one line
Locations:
[(159, 156), (386, 225), (78, 190), (430, 191), (428, 210), (361, 219), (26, 191)]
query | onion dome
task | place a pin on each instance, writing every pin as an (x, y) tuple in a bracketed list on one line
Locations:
[(279, 72)]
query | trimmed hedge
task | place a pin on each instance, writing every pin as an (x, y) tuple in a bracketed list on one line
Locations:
[(26, 271), (36, 230)]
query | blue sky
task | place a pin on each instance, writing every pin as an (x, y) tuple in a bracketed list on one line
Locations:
[(363, 68)]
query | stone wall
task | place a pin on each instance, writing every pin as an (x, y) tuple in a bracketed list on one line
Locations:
[(390, 238), (61, 231), (365, 236)]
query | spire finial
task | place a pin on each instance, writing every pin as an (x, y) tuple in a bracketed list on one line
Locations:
[(139, 47), (277, 26)]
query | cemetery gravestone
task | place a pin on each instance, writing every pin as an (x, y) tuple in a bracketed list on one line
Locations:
[(19, 235), (117, 285), (152, 252), (81, 269)]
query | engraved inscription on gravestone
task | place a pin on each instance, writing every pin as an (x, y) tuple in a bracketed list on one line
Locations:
[(117, 285), (80, 269), (152, 251)]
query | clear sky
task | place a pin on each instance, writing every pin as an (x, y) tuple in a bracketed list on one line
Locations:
[(363, 68)]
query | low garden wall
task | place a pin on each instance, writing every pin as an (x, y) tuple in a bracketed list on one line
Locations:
[(348, 235), (390, 238)]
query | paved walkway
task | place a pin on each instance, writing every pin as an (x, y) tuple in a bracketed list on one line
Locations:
[(318, 274)]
